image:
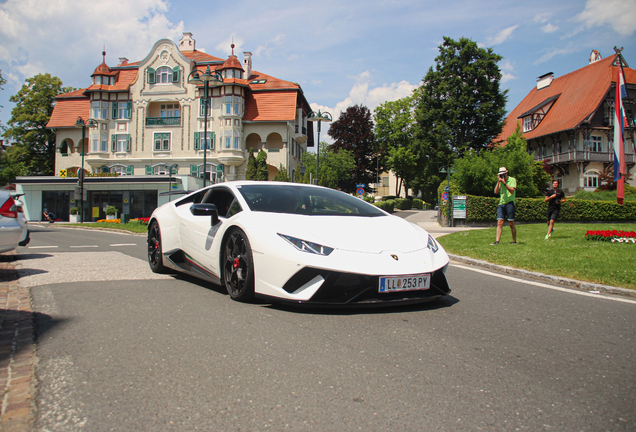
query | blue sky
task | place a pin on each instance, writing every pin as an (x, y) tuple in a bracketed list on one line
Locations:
[(341, 53)]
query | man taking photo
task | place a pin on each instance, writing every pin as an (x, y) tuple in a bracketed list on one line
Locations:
[(505, 187)]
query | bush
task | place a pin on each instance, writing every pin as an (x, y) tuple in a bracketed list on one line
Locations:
[(369, 198), (418, 204), (111, 210), (74, 210), (484, 209), (387, 206), (403, 203)]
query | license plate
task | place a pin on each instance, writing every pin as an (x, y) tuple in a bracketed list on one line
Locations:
[(405, 283)]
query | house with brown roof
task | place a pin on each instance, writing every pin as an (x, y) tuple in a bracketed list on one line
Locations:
[(147, 131), (568, 122)]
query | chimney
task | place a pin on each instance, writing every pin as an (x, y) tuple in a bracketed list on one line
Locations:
[(545, 80), (595, 56), (247, 64), (187, 43), (122, 61)]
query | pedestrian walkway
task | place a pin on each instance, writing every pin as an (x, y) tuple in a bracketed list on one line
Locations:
[(17, 349), (427, 219)]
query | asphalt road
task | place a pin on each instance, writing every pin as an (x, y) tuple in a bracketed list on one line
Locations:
[(120, 348)]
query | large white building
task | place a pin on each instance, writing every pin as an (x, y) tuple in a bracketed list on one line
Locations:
[(148, 118)]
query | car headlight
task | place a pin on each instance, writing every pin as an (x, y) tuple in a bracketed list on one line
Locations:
[(432, 244), (307, 246)]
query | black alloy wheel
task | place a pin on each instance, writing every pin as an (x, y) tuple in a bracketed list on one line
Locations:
[(238, 266), (154, 249)]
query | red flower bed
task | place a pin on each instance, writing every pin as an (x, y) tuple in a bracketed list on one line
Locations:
[(609, 235), (143, 221)]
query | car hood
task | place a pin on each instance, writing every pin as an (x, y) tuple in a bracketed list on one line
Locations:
[(351, 233)]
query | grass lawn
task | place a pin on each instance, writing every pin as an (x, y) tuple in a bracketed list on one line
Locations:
[(565, 254)]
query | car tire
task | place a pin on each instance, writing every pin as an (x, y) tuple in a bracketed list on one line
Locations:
[(155, 258), (238, 266)]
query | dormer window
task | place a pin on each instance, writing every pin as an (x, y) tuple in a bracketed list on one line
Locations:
[(163, 75), (527, 123)]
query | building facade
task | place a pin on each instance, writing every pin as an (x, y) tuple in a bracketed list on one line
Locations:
[(145, 131), (568, 122)]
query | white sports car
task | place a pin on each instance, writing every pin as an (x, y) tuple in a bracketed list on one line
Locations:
[(290, 242)]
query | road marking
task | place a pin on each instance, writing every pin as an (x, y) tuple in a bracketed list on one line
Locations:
[(85, 246), (41, 247), (543, 285), (124, 244)]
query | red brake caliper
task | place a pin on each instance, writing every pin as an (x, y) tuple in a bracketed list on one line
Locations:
[(236, 263)]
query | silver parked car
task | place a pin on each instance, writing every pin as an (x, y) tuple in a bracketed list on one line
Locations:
[(13, 224)]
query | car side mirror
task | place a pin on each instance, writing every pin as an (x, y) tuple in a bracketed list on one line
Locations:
[(206, 210)]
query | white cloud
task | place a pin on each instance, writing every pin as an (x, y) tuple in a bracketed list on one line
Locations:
[(549, 28), (618, 14), (502, 36), (507, 71), (268, 47), (542, 17), (225, 46), (553, 53)]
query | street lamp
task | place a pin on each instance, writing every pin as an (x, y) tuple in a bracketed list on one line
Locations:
[(80, 174), (448, 171), (208, 79), (319, 117)]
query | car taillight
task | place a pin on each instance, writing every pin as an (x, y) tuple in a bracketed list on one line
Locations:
[(9, 209)]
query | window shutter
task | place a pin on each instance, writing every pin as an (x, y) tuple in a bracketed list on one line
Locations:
[(130, 169), (113, 143), (212, 141), (128, 142), (114, 110), (105, 169), (175, 74), (151, 75), (129, 105), (194, 170), (219, 169), (196, 141), (148, 170)]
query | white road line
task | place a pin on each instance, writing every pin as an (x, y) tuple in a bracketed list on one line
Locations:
[(85, 246), (124, 244), (543, 285), (41, 247)]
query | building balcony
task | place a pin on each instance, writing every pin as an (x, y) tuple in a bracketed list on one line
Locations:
[(575, 156), (301, 134), (163, 121)]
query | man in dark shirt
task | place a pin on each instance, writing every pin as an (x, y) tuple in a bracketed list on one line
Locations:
[(554, 198)]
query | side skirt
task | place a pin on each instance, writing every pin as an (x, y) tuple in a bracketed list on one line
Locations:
[(182, 262)]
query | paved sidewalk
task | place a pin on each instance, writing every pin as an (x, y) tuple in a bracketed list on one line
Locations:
[(17, 349)]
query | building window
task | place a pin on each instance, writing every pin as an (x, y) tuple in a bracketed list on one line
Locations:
[(122, 170), (200, 142), (160, 170), (105, 110), (162, 142), (170, 110), (121, 110), (237, 105), (95, 109), (164, 75), (590, 180), (120, 143), (228, 139), (99, 142), (228, 104), (202, 103), (596, 144), (527, 123), (237, 139)]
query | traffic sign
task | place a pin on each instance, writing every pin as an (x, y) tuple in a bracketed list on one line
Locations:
[(447, 189), (360, 191), (445, 196)]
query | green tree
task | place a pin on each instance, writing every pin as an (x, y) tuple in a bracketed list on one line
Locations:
[(335, 167), (2, 82), (353, 131), (250, 171), (262, 173), (27, 126), (282, 175), (460, 106), (477, 173), (395, 133)]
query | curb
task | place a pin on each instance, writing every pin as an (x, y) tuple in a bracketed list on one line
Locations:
[(17, 350), (557, 280)]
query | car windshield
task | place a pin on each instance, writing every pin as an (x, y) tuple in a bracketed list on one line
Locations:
[(296, 199)]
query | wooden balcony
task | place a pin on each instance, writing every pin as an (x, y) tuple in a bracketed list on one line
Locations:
[(575, 156)]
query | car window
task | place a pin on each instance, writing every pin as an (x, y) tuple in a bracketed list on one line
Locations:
[(296, 199), (194, 198), (234, 209), (222, 198)]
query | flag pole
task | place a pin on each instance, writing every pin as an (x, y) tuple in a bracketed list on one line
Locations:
[(619, 127), (630, 119)]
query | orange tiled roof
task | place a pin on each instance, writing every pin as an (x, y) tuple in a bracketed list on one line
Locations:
[(68, 108), (200, 56), (232, 62), (270, 83), (102, 69), (124, 80), (578, 95), (271, 106)]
